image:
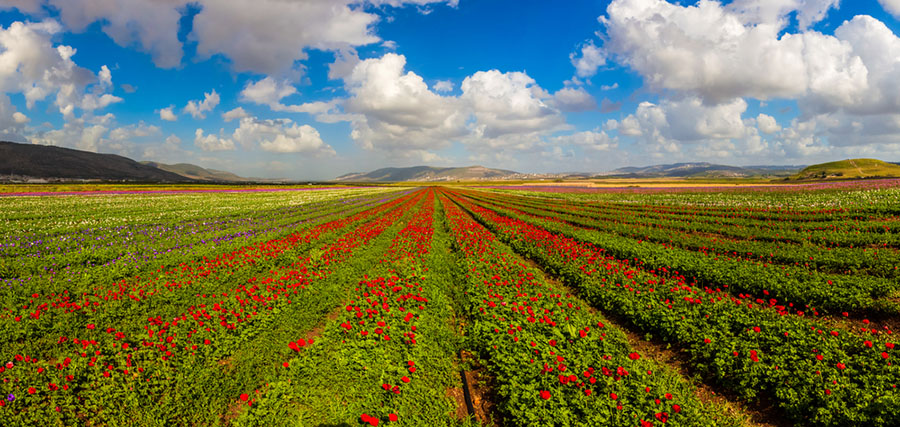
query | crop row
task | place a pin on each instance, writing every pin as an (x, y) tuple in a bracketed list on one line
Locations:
[(815, 374), (555, 361), (227, 312), (789, 284), (721, 240)]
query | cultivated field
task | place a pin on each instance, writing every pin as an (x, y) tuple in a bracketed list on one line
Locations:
[(517, 305)]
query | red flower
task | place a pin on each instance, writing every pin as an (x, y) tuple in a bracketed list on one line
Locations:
[(587, 392), (662, 416), (756, 329), (884, 355), (91, 326), (753, 356), (841, 366), (392, 417), (31, 390), (404, 379), (676, 408), (245, 397), (634, 356), (613, 396), (286, 364), (545, 394)]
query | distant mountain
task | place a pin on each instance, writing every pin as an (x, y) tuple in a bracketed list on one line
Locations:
[(198, 173), (700, 170), (48, 162), (429, 173), (850, 168)]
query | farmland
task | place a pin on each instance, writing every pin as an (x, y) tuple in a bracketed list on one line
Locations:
[(769, 305)]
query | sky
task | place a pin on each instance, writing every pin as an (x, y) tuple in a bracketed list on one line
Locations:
[(313, 89)]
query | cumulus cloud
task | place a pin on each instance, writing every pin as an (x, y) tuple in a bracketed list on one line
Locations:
[(198, 109), (721, 52), (152, 25), (281, 136), (30, 64), (767, 123), (211, 142), (131, 132), (892, 6), (168, 114), (588, 60), (711, 131), (236, 113), (573, 99), (443, 86), (591, 140), (270, 92), (76, 133), (269, 36), (396, 111), (508, 104)]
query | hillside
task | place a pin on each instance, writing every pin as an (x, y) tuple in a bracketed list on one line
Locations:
[(850, 168), (48, 162), (198, 173), (428, 173), (700, 170)]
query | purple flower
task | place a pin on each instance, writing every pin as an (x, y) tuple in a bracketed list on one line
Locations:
[(11, 397)]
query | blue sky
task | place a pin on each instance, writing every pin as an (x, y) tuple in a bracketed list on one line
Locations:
[(308, 89)]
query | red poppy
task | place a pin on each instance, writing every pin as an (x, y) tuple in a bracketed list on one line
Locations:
[(634, 356), (245, 397), (545, 394)]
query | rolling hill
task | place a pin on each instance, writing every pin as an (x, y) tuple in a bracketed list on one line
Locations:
[(198, 173), (700, 170), (428, 173), (57, 163), (850, 168)]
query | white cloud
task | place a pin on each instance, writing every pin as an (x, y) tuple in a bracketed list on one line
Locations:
[(443, 86), (721, 52), (151, 24), (574, 99), (591, 58), (395, 111), (11, 121), (74, 134), (105, 77), (212, 142), (198, 109), (508, 104), (269, 92), (131, 132), (92, 102), (281, 136), (892, 6), (610, 87), (269, 36), (168, 114), (591, 140), (236, 113), (767, 123), (30, 64), (808, 12), (25, 6)]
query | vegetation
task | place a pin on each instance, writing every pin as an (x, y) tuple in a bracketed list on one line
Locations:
[(361, 306)]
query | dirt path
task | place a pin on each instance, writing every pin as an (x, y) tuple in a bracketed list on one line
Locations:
[(852, 163)]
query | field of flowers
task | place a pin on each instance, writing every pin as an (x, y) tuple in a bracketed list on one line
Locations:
[(371, 306)]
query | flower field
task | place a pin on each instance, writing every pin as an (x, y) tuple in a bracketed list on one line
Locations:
[(354, 306)]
